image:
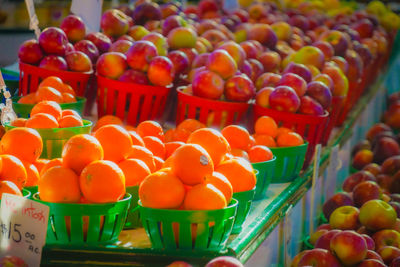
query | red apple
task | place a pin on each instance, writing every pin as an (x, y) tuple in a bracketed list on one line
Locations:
[(326, 49), (377, 214), (111, 65), (263, 34), (324, 226), (70, 48), (134, 76), (12, 261), (53, 41), (364, 192), (355, 65), (208, 84), (384, 148), (159, 41), (172, 22), (295, 82), (340, 81), (126, 37), (121, 46), (191, 54), (310, 55), (389, 253), (101, 41), (146, 11), (137, 32), (180, 62), (320, 92), (284, 98), (179, 264), (161, 71), (114, 23), (373, 168), (319, 258), (395, 262), (222, 63), (371, 263), (235, 51), (300, 70), (267, 79), (262, 96), (375, 129), (140, 54), (337, 200), (53, 62), (256, 69), (325, 79), (317, 234), (364, 28), (370, 242), (214, 36), (239, 88), (387, 237), (224, 261), (30, 52), (88, 48), (362, 158), (391, 165), (74, 28), (338, 40), (297, 258), (355, 179), (300, 22), (349, 246), (310, 106), (200, 60), (250, 50), (344, 218), (371, 254), (246, 68), (78, 61), (270, 60)]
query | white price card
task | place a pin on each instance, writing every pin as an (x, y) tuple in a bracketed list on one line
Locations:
[(2, 83), (23, 227), (89, 11), (33, 19)]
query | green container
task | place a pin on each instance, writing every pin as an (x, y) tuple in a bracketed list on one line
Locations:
[(307, 244), (85, 224), (55, 138), (244, 199), (32, 190), (353, 170), (289, 162), (265, 173), (188, 230), (24, 110), (11, 78), (133, 218)]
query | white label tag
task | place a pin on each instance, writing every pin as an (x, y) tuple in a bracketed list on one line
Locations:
[(23, 227), (313, 184), (90, 13), (2, 83), (34, 22)]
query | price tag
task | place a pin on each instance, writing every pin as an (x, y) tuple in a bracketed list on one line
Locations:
[(33, 19), (90, 13), (313, 183), (2, 83), (23, 227)]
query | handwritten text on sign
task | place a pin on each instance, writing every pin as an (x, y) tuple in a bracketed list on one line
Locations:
[(23, 226)]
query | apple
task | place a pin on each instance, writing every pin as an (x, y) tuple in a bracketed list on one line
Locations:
[(12, 261), (180, 62), (169, 9), (161, 71), (88, 48), (262, 96), (355, 64), (250, 49), (263, 34), (370, 242), (182, 37), (325, 79), (53, 62), (126, 37), (326, 48), (300, 70), (300, 22), (121, 46), (224, 261), (349, 246), (74, 28), (395, 262), (137, 32), (371, 263), (362, 158), (371, 254), (159, 41), (78, 61), (284, 98), (364, 28), (320, 92), (310, 106), (111, 65), (364, 192), (205, 6), (344, 218), (282, 30), (295, 82), (146, 11), (205, 25), (200, 60), (140, 54), (235, 51), (364, 53), (389, 253), (53, 41), (100, 40), (30, 52), (284, 50), (256, 69), (214, 36), (258, 11), (340, 81), (270, 60), (179, 264), (319, 258), (363, 144), (324, 226), (375, 129), (373, 168), (207, 84), (297, 258), (386, 237), (310, 55), (385, 182), (377, 214), (356, 178), (222, 63), (114, 23), (337, 200), (239, 88), (134, 76), (339, 41), (172, 22), (385, 148), (391, 165), (317, 234)]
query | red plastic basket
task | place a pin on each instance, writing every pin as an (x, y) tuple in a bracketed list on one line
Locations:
[(355, 91), (30, 76), (210, 112), (308, 126), (130, 102), (334, 111)]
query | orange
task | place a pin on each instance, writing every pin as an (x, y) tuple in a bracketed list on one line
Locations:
[(52, 81), (260, 154), (162, 190), (237, 136), (142, 153), (24, 143), (39, 164), (68, 98), (290, 139), (240, 174), (204, 197), (170, 147), (2, 131), (28, 99), (282, 130), (106, 120), (155, 146), (67, 89), (150, 128), (190, 125), (252, 141), (180, 135), (236, 152), (102, 181), (266, 125), (222, 184), (167, 163), (135, 171), (70, 121), (10, 188), (136, 139), (159, 162), (41, 121), (191, 163), (80, 150), (13, 170), (59, 185), (49, 107), (20, 122), (48, 93), (67, 112), (130, 128), (50, 164), (264, 140), (212, 141), (32, 174), (116, 142)]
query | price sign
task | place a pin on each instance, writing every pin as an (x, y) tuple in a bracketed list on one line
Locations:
[(33, 19), (89, 11), (23, 226)]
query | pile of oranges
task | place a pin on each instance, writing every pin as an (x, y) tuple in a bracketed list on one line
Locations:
[(52, 89), (48, 114)]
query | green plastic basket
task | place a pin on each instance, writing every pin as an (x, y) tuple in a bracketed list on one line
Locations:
[(244, 199), (188, 230), (307, 244), (31, 189), (55, 138), (133, 218), (352, 170), (85, 224), (289, 162), (24, 110), (265, 173)]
